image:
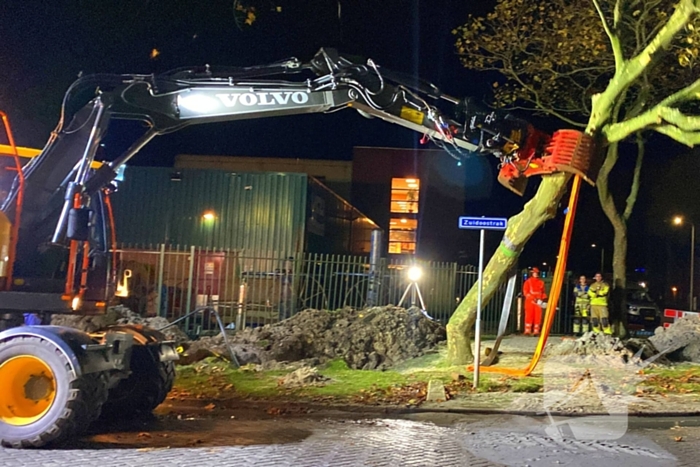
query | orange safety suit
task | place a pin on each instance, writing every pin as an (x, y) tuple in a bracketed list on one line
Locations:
[(533, 290)]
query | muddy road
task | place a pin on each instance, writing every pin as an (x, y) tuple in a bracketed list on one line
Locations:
[(208, 435)]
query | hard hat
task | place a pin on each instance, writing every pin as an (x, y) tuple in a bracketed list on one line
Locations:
[(535, 270)]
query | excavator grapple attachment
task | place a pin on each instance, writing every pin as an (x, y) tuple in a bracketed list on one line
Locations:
[(569, 151)]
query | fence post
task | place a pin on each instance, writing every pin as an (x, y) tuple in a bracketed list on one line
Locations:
[(159, 283), (374, 257), (452, 304), (241, 306), (189, 287)]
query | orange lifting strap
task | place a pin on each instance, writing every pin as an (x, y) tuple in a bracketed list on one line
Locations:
[(557, 281), (565, 146)]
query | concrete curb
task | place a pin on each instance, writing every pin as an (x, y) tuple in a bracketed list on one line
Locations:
[(293, 408)]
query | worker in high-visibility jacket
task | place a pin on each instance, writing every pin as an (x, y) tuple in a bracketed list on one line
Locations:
[(534, 293), (599, 292), (582, 306)]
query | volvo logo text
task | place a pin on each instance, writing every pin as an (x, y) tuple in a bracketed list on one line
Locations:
[(250, 99)]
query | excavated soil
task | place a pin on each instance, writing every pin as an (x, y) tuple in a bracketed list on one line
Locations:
[(118, 315), (373, 338), (595, 347), (681, 340)]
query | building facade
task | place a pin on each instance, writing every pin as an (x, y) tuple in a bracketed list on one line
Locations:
[(415, 195), (269, 213), (336, 175)]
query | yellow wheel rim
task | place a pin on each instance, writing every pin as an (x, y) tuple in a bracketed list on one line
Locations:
[(27, 390)]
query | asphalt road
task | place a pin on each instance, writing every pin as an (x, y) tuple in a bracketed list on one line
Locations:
[(335, 439)]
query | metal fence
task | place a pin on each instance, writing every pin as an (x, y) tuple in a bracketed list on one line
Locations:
[(247, 290)]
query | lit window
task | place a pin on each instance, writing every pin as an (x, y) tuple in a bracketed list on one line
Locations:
[(403, 227), (404, 195), (402, 235)]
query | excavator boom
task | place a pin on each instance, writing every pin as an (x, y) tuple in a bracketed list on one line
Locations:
[(57, 237)]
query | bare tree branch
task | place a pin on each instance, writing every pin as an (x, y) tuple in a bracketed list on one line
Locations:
[(617, 12), (614, 40), (663, 112), (688, 93), (634, 189), (690, 139), (654, 120), (663, 39)]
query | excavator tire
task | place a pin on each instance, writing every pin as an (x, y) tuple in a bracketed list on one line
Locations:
[(43, 401), (144, 389), (96, 394)]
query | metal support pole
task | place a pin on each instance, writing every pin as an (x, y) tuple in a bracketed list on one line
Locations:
[(133, 149), (692, 266), (241, 306), (403, 297), (477, 334), (190, 278), (374, 258), (159, 289), (519, 324), (422, 303)]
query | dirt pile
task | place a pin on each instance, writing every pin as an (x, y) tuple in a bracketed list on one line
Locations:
[(304, 376), (215, 346), (118, 315), (598, 347), (373, 338), (681, 339)]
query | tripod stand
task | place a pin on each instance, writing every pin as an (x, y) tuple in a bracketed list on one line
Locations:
[(415, 291)]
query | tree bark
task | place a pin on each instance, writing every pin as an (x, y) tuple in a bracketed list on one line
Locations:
[(618, 220), (618, 312), (542, 207)]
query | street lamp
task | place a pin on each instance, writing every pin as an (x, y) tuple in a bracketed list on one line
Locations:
[(674, 289), (678, 220), (602, 256)]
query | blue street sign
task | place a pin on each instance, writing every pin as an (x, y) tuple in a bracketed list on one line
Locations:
[(483, 223)]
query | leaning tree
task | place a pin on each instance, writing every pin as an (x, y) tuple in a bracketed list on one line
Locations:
[(627, 65)]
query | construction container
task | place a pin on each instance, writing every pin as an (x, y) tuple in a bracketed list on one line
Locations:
[(265, 214)]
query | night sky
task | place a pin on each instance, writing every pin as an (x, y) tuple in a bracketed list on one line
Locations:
[(47, 43)]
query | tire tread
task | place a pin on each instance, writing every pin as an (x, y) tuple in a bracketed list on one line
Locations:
[(85, 397)]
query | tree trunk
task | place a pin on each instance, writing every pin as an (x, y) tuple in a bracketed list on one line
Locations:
[(539, 209), (542, 207), (618, 309), (618, 220), (620, 234)]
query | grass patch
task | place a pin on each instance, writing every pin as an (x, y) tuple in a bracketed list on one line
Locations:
[(215, 378), (407, 383), (526, 384), (680, 379), (346, 382)]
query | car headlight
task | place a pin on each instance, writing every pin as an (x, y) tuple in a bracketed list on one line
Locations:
[(633, 310)]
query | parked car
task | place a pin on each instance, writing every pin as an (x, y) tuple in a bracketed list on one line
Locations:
[(643, 314)]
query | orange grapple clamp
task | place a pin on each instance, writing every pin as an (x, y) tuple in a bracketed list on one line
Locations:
[(569, 151)]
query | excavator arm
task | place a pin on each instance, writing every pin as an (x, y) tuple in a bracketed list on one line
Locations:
[(61, 179), (57, 212)]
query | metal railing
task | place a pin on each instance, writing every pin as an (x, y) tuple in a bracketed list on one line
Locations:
[(248, 290)]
